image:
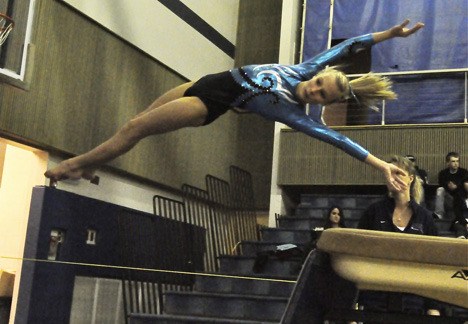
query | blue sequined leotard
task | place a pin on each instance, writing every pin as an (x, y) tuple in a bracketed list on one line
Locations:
[(270, 92)]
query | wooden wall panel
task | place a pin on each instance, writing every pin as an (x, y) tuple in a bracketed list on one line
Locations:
[(258, 33), (258, 38), (307, 161), (87, 82)]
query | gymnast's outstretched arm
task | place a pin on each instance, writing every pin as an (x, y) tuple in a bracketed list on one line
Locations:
[(354, 45), (305, 124), (396, 31)]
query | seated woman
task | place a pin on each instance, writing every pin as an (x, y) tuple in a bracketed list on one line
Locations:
[(334, 218), (399, 212)]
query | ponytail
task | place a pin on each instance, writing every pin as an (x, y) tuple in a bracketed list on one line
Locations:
[(372, 88), (367, 90)]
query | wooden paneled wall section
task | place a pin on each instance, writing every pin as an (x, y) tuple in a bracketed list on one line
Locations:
[(306, 161), (87, 82)]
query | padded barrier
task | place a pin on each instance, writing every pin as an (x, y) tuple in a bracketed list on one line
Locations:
[(59, 230)]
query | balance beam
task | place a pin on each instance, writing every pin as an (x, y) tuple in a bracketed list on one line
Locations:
[(429, 266)]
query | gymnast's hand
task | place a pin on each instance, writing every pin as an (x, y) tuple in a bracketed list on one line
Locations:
[(402, 31), (393, 176), (397, 31)]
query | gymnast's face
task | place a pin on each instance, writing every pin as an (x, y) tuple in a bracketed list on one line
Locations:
[(321, 89)]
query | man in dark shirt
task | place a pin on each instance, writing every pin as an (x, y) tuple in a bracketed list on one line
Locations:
[(450, 182)]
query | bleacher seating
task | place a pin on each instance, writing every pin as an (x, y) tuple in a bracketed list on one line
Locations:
[(310, 212), (234, 300)]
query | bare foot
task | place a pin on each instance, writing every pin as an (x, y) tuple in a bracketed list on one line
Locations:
[(65, 171)]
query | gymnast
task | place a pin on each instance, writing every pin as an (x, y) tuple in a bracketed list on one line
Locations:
[(276, 92)]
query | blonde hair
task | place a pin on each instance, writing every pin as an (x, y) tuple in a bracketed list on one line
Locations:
[(416, 188), (368, 89), (372, 88)]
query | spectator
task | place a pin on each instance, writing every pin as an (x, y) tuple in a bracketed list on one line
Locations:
[(460, 207), (401, 213), (334, 218), (450, 180)]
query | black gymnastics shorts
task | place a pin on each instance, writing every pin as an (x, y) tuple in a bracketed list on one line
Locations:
[(217, 91)]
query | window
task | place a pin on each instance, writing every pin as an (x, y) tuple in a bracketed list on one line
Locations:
[(57, 237), (91, 237), (17, 49)]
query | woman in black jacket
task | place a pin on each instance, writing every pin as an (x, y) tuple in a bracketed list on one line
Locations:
[(400, 212)]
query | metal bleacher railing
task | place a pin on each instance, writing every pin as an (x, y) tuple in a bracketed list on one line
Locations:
[(225, 209), (410, 100)]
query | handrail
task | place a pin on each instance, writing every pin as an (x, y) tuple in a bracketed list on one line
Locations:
[(466, 100), (441, 71), (425, 72)]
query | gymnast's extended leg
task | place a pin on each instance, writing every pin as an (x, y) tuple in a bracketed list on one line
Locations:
[(173, 94), (164, 115)]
